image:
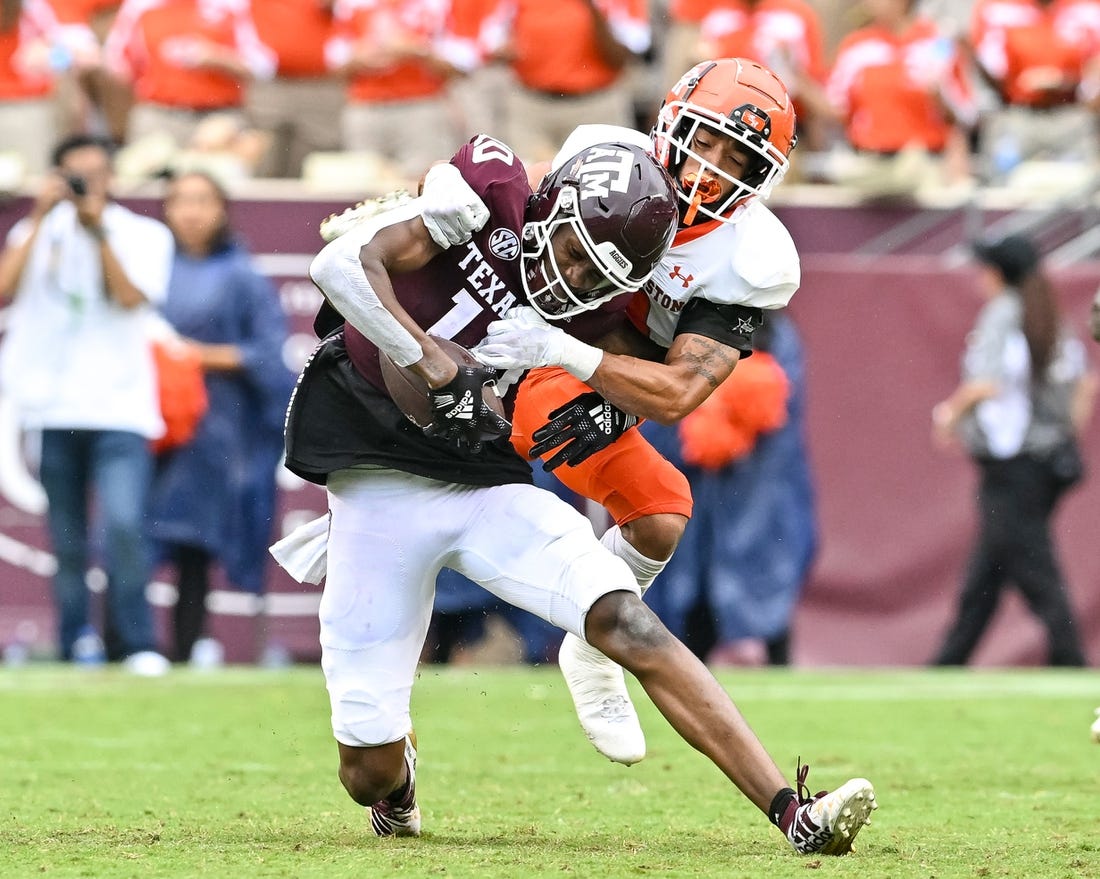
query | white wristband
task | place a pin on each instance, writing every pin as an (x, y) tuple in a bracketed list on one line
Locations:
[(579, 359)]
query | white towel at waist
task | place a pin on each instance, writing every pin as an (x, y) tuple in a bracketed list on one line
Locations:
[(303, 553)]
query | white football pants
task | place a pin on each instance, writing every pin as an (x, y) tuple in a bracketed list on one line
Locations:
[(390, 534)]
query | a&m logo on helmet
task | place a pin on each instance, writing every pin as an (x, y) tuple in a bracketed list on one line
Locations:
[(504, 244), (602, 170)]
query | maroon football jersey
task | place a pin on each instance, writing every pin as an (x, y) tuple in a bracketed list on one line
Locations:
[(463, 289), (341, 415)]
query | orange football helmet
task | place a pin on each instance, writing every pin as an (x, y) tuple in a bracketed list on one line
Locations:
[(739, 99)]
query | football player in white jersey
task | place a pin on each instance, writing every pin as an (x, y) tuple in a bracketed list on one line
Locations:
[(724, 131)]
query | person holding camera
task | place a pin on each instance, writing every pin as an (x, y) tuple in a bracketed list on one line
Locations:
[(76, 362)]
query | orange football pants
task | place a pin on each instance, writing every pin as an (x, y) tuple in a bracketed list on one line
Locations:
[(630, 478)]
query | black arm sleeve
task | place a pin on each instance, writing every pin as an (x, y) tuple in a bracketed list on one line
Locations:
[(731, 325)]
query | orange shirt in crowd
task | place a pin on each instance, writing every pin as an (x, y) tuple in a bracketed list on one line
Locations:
[(81, 11), (1036, 53), (153, 43), (779, 34), (78, 45), (391, 26), (1078, 22), (476, 26), (692, 11), (885, 84), (554, 47), (296, 31), (24, 53)]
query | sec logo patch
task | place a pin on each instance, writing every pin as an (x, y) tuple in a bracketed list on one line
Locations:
[(504, 244)]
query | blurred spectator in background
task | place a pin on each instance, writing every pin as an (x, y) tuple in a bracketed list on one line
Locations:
[(899, 87), (185, 60), (77, 364), (953, 16), (89, 101), (1033, 53), (569, 59), (680, 45), (785, 36), (479, 98), (29, 34), (1025, 395), (731, 588), (300, 105), (397, 57), (213, 498)]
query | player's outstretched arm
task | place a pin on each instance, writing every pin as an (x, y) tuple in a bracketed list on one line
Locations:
[(666, 392), (663, 392)]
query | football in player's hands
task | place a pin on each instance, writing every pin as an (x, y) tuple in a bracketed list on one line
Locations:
[(413, 396)]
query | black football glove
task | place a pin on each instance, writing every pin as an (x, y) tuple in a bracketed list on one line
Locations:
[(586, 424), (460, 415)]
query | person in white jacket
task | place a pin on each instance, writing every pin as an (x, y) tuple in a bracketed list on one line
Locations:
[(77, 364)]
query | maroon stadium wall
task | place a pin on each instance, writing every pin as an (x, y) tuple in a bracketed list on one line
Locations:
[(883, 334)]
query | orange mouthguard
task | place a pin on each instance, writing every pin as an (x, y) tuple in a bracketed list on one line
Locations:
[(706, 190)]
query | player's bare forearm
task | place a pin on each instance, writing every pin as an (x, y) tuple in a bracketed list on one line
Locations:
[(665, 392), (624, 339)]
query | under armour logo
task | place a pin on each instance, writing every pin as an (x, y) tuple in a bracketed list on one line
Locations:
[(684, 279)]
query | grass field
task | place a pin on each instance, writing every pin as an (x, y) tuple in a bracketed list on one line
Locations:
[(232, 774)]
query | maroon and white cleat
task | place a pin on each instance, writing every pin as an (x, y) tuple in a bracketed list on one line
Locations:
[(400, 816), (826, 823)]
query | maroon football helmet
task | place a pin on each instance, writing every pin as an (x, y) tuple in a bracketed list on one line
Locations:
[(622, 206)]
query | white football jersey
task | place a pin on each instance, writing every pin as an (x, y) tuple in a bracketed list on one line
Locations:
[(751, 261)]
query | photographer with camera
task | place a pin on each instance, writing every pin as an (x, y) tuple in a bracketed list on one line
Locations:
[(85, 272)]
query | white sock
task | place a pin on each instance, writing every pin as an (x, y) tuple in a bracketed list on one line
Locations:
[(645, 569)]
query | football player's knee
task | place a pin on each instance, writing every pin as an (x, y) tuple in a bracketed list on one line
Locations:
[(623, 627), (367, 781), (656, 536)]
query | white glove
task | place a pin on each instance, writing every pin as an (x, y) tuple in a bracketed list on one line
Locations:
[(451, 210), (523, 340)]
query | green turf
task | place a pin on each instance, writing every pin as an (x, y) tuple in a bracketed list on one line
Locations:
[(233, 774)]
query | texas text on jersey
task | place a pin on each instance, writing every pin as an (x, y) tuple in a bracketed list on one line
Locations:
[(341, 416)]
